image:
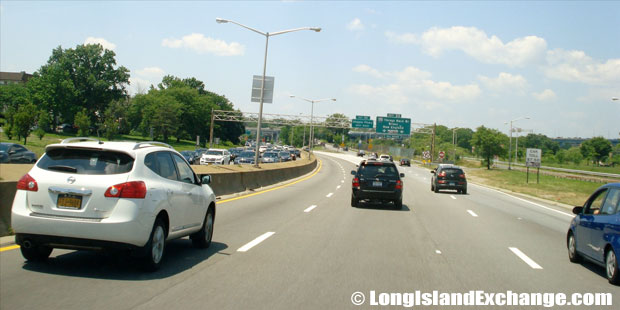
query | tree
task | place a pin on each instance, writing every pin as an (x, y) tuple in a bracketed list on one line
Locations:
[(574, 155), (597, 148), (540, 141), (14, 95), (76, 79), (25, 119), (43, 120), (488, 143), (82, 122)]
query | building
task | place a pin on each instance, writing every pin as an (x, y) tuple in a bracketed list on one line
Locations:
[(14, 77)]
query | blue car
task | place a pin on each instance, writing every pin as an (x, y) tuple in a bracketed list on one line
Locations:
[(594, 233)]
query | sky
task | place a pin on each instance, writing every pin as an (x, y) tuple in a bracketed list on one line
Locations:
[(458, 64)]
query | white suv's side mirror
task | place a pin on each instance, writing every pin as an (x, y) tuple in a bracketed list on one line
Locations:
[(206, 179)]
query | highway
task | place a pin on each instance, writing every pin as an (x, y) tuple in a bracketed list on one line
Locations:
[(302, 246)]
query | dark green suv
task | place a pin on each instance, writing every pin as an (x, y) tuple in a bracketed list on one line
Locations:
[(449, 177), (377, 181)]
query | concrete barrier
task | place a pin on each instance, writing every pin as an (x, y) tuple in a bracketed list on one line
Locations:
[(224, 181)]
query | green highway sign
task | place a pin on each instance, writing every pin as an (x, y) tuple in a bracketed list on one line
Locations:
[(393, 125), (362, 117), (362, 123)]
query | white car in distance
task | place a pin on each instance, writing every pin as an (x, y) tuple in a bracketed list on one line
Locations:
[(86, 194), (215, 157)]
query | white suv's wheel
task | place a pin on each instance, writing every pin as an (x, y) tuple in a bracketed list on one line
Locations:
[(155, 248), (202, 239)]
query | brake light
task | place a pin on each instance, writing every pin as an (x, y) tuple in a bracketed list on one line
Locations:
[(356, 182), (399, 184), (442, 174), (462, 175), (135, 189), (27, 183)]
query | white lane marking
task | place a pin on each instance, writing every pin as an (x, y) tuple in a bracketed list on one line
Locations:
[(525, 258), (338, 187), (329, 195), (472, 213), (256, 241), (342, 181), (310, 208), (437, 251), (536, 204), (452, 196)]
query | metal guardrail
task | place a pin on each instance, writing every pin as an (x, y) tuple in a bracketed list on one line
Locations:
[(584, 172)]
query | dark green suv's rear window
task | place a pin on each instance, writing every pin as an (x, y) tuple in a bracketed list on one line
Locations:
[(377, 169), (86, 161)]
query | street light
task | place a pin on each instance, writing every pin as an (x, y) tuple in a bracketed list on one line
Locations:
[(262, 87), (312, 117), (510, 148), (454, 138), (304, 139)]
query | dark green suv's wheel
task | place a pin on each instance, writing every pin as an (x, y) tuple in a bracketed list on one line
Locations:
[(398, 204), (354, 202)]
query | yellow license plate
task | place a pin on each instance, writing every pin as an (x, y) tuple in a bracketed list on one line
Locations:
[(69, 201)]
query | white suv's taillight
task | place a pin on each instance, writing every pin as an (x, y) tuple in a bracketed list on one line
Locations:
[(135, 189), (27, 183)]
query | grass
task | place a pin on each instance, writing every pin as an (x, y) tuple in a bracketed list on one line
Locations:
[(585, 167), (38, 145), (571, 192)]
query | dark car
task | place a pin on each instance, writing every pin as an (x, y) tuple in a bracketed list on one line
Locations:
[(285, 156), (594, 233), (449, 177), (190, 156), (245, 157), (66, 128), (297, 153), (361, 153), (405, 162), (16, 153), (377, 181)]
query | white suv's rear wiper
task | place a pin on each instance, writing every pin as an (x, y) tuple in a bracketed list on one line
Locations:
[(62, 168)]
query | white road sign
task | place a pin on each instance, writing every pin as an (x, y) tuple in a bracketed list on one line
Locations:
[(533, 157)]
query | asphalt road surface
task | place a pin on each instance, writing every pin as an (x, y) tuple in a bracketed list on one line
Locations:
[(302, 246)]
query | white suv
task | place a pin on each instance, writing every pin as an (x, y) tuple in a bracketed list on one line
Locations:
[(89, 194), (215, 156)]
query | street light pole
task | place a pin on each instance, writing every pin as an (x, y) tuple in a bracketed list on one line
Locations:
[(454, 137), (311, 143), (510, 143), (262, 88)]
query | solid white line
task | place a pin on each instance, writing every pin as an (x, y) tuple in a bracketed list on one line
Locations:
[(452, 196), (536, 204), (472, 213), (525, 258), (329, 195), (256, 241), (342, 181), (338, 187), (437, 251), (310, 208)]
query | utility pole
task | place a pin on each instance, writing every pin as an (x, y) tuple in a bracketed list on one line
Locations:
[(433, 142), (211, 130)]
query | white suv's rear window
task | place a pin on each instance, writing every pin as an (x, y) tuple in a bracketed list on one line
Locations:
[(86, 161)]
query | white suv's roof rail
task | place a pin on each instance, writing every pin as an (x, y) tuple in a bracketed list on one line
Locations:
[(80, 139), (151, 143)]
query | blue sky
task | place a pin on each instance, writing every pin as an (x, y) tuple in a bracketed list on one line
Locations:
[(460, 64)]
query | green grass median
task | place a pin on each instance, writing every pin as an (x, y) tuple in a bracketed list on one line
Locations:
[(571, 192)]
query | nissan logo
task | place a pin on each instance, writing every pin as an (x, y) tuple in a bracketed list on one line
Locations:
[(71, 180)]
